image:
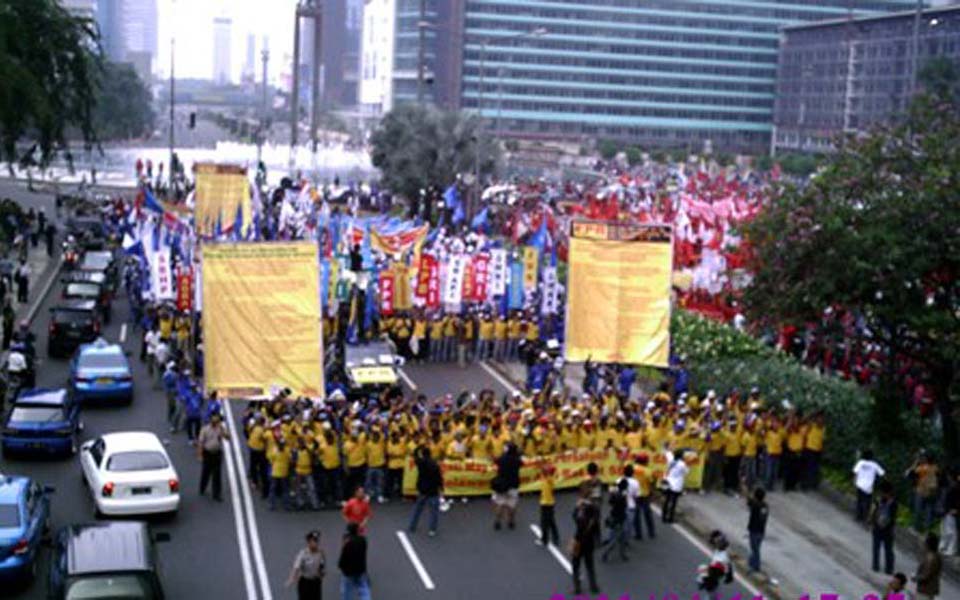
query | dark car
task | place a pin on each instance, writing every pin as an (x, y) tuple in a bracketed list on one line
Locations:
[(107, 559), (24, 521), (102, 261), (42, 422), (88, 290), (72, 322), (90, 232)]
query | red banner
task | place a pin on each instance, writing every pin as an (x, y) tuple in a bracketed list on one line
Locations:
[(184, 289), (428, 281), (480, 272), (386, 292)]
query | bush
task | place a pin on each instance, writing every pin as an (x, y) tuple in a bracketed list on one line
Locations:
[(701, 340)]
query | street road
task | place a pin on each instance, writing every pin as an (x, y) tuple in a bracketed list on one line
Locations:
[(240, 550)]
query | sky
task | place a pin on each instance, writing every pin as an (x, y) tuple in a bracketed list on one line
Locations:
[(191, 22)]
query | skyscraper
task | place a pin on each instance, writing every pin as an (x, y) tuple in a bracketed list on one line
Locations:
[(222, 74), (138, 23), (250, 60)]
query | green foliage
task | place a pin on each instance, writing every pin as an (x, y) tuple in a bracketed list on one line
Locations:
[(763, 163), (416, 147), (608, 148), (124, 106), (704, 341), (875, 232), (940, 78), (49, 64), (634, 155), (799, 165)]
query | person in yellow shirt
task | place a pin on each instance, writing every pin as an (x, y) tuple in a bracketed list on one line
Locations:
[(280, 459), (532, 331), (732, 455), (436, 339), (644, 477), (457, 447), (514, 327), (328, 453), (568, 437), (499, 436), (812, 451), (304, 484), (750, 441), (548, 521), (634, 439), (500, 339), (420, 333), (792, 458), (355, 451), (773, 438), (713, 468), (396, 458), (485, 337), (466, 345), (588, 437), (257, 444), (451, 328), (376, 450)]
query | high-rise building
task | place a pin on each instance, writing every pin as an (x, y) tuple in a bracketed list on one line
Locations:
[(341, 29), (81, 8), (222, 73), (249, 73), (376, 57), (845, 75), (662, 73), (128, 32)]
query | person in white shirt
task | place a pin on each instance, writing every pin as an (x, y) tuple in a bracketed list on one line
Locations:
[(677, 470), (150, 338), (633, 492), (866, 472)]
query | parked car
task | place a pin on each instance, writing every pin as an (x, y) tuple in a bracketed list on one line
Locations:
[(90, 291), (106, 559), (24, 523), (130, 473), (101, 371), (72, 323), (42, 421)]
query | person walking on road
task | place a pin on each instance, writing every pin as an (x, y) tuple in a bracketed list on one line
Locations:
[(587, 519), (429, 488), (309, 567), (929, 569), (210, 452), (883, 519), (354, 581), (757, 525), (357, 510), (617, 522), (925, 476), (8, 318), (641, 473), (676, 475), (506, 487), (548, 520), (866, 472), (23, 281), (951, 519)]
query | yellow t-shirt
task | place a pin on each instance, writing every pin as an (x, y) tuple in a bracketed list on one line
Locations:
[(500, 329), (546, 491), (420, 328), (396, 454), (732, 446), (436, 330), (749, 440), (815, 435), (480, 446), (643, 477), (450, 327), (634, 440), (513, 329), (376, 454), (587, 440), (795, 440), (304, 464), (773, 441), (356, 452), (280, 463), (256, 441), (329, 454), (533, 332), (486, 329)]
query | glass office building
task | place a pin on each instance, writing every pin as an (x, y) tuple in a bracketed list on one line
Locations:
[(659, 73)]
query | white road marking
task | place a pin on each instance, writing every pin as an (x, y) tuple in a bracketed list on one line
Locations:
[(707, 552), (247, 503), (406, 379), (35, 305), (241, 531), (123, 333), (557, 554), (412, 555), (500, 378)]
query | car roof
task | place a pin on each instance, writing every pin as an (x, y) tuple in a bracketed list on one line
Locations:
[(45, 396), (132, 440), (11, 488), (75, 305), (101, 347), (374, 350), (85, 276), (106, 254), (108, 546)]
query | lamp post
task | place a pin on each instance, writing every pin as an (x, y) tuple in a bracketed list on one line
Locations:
[(264, 57), (421, 52), (172, 101)]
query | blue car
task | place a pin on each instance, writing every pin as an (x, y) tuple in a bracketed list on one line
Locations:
[(24, 517), (42, 422), (100, 371)]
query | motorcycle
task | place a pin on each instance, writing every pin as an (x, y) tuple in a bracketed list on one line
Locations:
[(71, 256)]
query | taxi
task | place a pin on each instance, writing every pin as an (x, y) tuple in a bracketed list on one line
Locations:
[(101, 371)]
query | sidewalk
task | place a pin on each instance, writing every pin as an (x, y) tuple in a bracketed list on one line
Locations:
[(812, 545)]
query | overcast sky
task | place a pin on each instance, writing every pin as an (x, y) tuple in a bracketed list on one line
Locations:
[(191, 21)]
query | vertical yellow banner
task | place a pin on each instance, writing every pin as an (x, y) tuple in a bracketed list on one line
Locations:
[(530, 267), (220, 190)]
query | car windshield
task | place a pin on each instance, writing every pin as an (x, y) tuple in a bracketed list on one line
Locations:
[(36, 414), (83, 290), (110, 587), (65, 317), (95, 262), (101, 361), (9, 515), (141, 460)]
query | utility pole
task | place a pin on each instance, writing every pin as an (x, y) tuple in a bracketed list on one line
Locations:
[(916, 51), (172, 101), (421, 54), (264, 57), (315, 77), (295, 92)]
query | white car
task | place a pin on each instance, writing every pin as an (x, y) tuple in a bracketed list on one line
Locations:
[(130, 473)]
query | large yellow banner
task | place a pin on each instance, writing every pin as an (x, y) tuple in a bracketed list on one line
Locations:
[(618, 290), (220, 190), (261, 319), (473, 477)]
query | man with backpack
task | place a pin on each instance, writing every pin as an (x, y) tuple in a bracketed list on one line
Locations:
[(882, 520)]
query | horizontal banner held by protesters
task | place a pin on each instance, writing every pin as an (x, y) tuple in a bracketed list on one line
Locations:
[(473, 477)]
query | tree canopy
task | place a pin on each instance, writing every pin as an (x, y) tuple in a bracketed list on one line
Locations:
[(416, 147), (877, 232), (49, 62), (124, 106)]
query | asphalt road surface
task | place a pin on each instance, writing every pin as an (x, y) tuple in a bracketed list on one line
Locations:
[(238, 549)]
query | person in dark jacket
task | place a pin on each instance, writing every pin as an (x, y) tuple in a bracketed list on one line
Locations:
[(429, 488), (883, 519), (506, 487), (929, 569), (757, 525), (617, 521), (587, 519), (354, 581)]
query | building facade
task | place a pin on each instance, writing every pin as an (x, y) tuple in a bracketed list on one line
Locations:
[(376, 58), (845, 75), (222, 42)]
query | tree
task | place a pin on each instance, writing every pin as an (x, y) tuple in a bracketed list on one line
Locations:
[(876, 232), (416, 147), (49, 61), (763, 163), (608, 148), (124, 107), (940, 78)]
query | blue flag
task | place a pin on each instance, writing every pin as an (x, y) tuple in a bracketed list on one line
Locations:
[(516, 285), (541, 237), (238, 224), (451, 198), (150, 203), (480, 220)]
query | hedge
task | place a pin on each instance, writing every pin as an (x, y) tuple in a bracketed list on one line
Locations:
[(722, 358)]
